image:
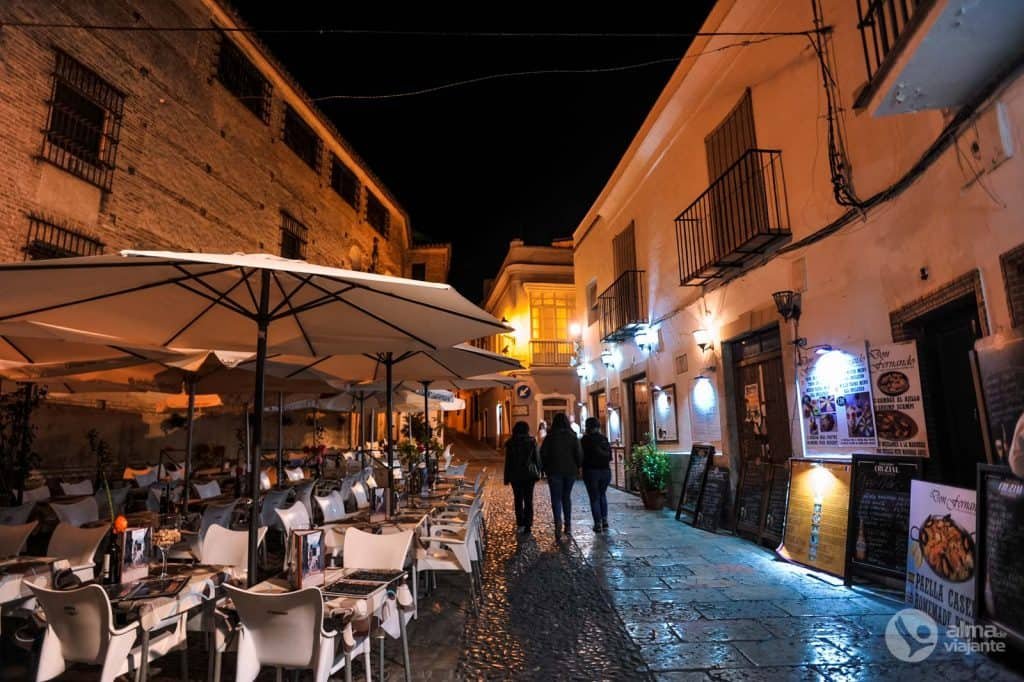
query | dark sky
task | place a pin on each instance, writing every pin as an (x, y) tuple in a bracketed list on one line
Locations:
[(482, 164)]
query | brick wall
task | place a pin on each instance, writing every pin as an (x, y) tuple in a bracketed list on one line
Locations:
[(195, 169)]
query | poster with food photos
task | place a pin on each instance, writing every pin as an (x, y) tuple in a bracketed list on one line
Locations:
[(899, 408), (835, 401)]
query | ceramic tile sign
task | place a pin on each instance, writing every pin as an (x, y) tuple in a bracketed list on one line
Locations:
[(835, 388), (941, 555), (899, 409), (705, 424), (817, 515)]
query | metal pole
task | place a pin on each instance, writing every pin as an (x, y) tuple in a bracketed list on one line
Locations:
[(280, 438), (191, 383), (426, 412), (389, 363), (262, 322), (362, 429)]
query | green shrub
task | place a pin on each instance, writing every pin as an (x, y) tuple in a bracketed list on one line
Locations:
[(649, 466)]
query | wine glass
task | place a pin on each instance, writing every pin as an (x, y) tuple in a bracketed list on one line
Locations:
[(165, 537)]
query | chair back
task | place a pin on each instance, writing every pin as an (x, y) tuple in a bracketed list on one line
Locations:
[(176, 473), (119, 496), (40, 494), (366, 550), (77, 545), (207, 490), (223, 547), (332, 506), (80, 488), (359, 492), (80, 618), (304, 494), (13, 538), (284, 628), (294, 517), (456, 470), (294, 474), (271, 502), (447, 455), (265, 483), (77, 513), (147, 478), (216, 515), (15, 516)]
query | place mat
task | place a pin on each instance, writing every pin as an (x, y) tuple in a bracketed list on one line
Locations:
[(375, 575), (350, 588)]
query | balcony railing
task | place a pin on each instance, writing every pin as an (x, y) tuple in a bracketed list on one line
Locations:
[(741, 215), (551, 353), (881, 24), (623, 306)]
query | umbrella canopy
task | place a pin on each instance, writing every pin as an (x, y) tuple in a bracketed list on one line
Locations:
[(242, 302)]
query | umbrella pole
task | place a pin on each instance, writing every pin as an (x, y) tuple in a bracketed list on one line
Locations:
[(189, 438), (280, 438), (389, 405), (362, 430), (426, 412), (262, 323)]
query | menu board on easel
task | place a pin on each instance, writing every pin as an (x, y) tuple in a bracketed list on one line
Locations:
[(880, 515), (1000, 361), (1000, 582), (750, 498), (775, 510), (817, 515), (713, 497), (696, 470)]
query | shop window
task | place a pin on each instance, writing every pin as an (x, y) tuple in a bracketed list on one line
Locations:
[(293, 237), (301, 138), (550, 314), (344, 182), (84, 123), (243, 80), (593, 312)]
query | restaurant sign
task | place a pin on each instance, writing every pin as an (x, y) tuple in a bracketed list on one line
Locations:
[(835, 387), (899, 409)]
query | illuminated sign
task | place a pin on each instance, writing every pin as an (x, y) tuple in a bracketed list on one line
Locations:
[(817, 515)]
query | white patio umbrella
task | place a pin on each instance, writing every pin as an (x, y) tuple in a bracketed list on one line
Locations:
[(242, 302)]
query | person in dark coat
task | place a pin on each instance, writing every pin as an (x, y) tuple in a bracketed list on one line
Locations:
[(562, 456), (597, 472), (522, 469)]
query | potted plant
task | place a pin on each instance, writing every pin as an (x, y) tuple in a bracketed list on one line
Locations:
[(649, 467)]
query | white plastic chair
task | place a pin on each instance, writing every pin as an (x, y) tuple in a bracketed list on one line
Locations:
[(360, 495), (265, 481), (294, 473), (271, 501), (81, 488), (294, 517), (223, 547), (286, 631), (13, 538), (77, 513), (207, 490), (447, 456), (332, 506), (78, 546), (40, 494), (80, 629), (119, 496), (15, 516), (304, 494), (156, 493)]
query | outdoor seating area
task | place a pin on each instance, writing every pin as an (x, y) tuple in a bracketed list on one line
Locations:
[(308, 563)]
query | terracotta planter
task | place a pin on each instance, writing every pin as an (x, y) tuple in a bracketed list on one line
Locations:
[(653, 499)]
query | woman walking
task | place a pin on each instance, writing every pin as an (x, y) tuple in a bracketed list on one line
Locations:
[(562, 456), (522, 469), (597, 472)]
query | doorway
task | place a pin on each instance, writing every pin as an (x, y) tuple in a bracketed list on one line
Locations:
[(945, 338), (552, 406), (639, 409), (599, 406)]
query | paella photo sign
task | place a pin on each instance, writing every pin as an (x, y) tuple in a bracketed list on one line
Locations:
[(941, 552), (899, 407)]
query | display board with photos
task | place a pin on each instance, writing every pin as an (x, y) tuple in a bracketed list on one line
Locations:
[(837, 414), (817, 514), (1000, 582), (310, 559), (751, 498), (693, 481), (879, 515), (714, 496), (898, 400), (941, 552), (666, 423)]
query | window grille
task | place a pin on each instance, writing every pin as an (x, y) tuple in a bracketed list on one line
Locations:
[(377, 214), (293, 237), (84, 124), (344, 182), (301, 138), (243, 80), (49, 240)]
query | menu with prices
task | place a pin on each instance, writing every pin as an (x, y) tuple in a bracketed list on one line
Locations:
[(880, 513), (713, 497), (836, 402), (700, 458), (899, 407), (941, 556), (749, 496), (1001, 366), (1001, 549), (818, 514)]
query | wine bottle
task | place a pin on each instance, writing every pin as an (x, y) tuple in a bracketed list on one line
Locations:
[(112, 561)]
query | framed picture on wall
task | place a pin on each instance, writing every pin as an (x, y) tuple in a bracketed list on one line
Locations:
[(666, 423), (520, 410)]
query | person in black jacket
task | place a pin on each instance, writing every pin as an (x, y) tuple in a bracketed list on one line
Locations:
[(597, 472), (522, 469), (562, 456)]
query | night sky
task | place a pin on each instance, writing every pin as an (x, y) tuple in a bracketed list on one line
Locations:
[(481, 164)]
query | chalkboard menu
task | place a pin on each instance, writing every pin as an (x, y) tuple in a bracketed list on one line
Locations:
[(879, 514), (700, 457), (775, 513), (750, 497), (1000, 587), (713, 497), (1001, 368)]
